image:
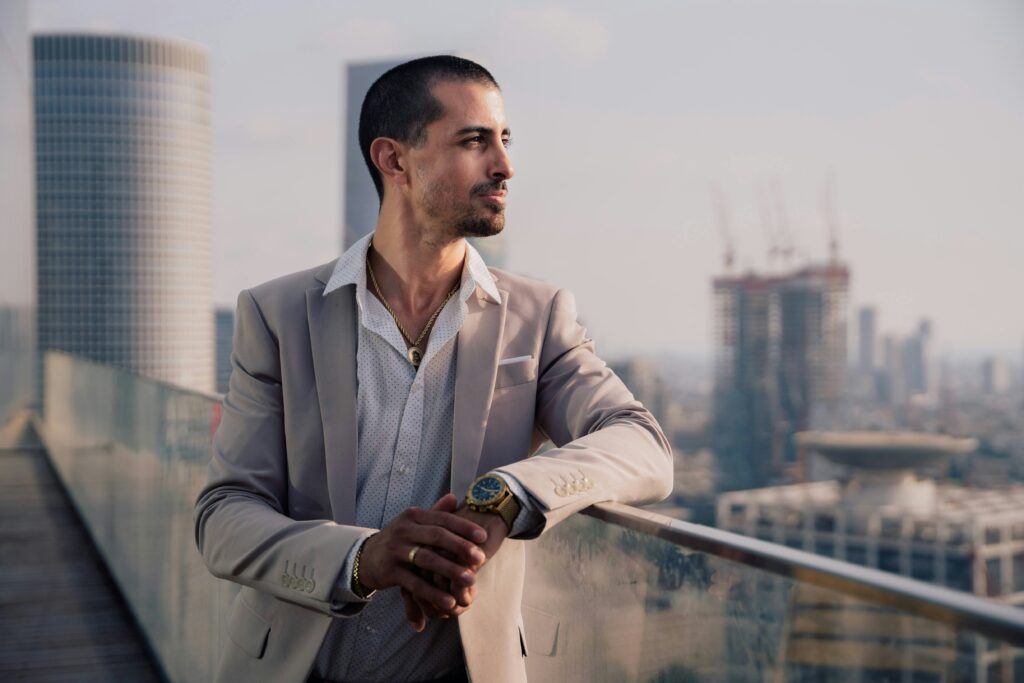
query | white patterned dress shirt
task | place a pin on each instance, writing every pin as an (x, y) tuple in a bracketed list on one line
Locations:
[(405, 420)]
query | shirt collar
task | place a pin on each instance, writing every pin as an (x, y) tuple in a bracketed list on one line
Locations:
[(351, 270)]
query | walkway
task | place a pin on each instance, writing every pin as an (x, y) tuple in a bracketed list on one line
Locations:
[(61, 617)]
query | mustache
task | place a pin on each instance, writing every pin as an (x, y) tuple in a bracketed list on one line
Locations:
[(485, 188)]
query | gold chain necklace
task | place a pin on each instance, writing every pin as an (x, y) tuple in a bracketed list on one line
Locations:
[(415, 353)]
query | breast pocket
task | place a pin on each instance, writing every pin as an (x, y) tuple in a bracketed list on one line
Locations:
[(517, 371)]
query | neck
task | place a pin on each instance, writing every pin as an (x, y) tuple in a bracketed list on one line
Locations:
[(415, 269)]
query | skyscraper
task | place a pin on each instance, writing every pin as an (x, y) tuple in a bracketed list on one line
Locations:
[(867, 320), (780, 359), (746, 382), (917, 359), (123, 198), (995, 375), (17, 281), (224, 324), (361, 204)]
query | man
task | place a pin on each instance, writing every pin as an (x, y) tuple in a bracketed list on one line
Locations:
[(364, 391)]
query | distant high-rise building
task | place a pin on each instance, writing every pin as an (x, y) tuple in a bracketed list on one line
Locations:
[(867, 320), (17, 222), (886, 513), (906, 368), (19, 378), (917, 359), (746, 407), (361, 204), (641, 378), (893, 385), (123, 200), (995, 375), (17, 329), (224, 326), (780, 359)]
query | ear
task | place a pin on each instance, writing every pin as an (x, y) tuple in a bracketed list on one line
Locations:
[(388, 155)]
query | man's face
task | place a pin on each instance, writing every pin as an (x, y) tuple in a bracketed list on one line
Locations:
[(459, 186)]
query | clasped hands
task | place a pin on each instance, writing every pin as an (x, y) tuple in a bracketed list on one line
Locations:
[(452, 545)]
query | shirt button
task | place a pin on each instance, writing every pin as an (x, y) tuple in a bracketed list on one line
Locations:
[(403, 469)]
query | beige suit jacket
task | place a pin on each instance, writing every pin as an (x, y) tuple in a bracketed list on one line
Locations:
[(276, 515)]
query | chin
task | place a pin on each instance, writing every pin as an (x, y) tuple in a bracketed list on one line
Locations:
[(482, 227)]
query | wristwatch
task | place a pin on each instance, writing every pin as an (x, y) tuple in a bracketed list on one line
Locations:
[(490, 493)]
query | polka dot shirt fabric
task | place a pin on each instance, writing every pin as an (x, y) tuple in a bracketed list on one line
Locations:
[(405, 422)]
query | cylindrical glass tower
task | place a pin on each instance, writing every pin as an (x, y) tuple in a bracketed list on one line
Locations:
[(123, 183)]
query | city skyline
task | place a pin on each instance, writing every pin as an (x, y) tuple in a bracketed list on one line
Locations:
[(924, 137)]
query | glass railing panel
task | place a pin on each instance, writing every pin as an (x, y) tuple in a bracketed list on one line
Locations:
[(18, 381), (604, 603), (132, 453)]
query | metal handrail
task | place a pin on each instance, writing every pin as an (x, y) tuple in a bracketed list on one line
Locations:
[(938, 603)]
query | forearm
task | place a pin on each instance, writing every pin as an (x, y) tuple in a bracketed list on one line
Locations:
[(626, 461), (243, 539)]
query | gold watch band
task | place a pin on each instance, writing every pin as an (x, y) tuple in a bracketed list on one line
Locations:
[(509, 509)]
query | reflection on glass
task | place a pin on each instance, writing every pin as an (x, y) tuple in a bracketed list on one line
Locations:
[(607, 604)]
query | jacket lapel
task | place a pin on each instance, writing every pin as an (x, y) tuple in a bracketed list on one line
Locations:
[(475, 370), (332, 333)]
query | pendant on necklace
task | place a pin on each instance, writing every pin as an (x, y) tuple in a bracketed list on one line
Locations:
[(415, 356)]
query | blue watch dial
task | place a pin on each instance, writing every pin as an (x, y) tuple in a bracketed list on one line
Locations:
[(487, 489)]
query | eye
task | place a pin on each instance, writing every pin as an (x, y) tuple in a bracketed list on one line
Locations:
[(475, 140), (507, 142)]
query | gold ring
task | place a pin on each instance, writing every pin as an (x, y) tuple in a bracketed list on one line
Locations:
[(412, 554)]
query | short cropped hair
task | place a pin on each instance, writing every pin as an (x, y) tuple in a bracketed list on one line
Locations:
[(400, 104)]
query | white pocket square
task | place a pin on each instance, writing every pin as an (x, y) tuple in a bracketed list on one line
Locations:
[(517, 359)]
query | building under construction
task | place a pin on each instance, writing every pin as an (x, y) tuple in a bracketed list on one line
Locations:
[(780, 360)]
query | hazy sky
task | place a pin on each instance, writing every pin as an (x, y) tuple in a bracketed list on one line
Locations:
[(624, 116)]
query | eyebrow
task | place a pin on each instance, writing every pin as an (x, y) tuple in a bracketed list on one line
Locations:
[(484, 130)]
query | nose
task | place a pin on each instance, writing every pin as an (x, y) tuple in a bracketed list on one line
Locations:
[(502, 164)]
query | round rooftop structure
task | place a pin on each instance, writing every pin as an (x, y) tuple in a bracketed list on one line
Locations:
[(884, 465), (885, 450)]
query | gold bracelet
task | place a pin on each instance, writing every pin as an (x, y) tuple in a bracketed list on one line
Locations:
[(357, 586)]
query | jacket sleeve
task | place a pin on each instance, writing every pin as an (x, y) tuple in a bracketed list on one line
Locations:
[(608, 446), (241, 523)]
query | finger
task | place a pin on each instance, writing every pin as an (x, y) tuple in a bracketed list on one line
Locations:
[(464, 595), (413, 612), (446, 503), (470, 596), (456, 524), (429, 560), (444, 543), (425, 592), (433, 612)]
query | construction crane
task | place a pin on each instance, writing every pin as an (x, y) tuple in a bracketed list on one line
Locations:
[(786, 242), (764, 211), (828, 209), (722, 218)]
